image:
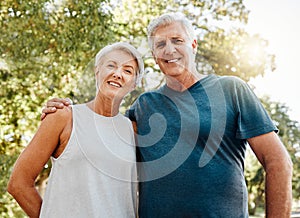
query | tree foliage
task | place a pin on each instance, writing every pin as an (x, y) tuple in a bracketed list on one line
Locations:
[(236, 53), (47, 49)]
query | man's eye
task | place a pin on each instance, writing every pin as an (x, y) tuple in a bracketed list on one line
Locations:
[(177, 41), (160, 45)]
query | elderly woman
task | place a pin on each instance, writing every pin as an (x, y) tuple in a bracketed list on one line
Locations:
[(91, 147)]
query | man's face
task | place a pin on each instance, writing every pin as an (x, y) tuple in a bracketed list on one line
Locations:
[(116, 74), (173, 50)]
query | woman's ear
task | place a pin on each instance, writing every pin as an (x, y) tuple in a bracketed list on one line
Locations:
[(96, 79), (96, 71)]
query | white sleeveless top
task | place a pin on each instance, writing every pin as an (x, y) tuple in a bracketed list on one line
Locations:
[(95, 176)]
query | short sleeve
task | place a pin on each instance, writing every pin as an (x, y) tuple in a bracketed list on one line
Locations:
[(253, 119)]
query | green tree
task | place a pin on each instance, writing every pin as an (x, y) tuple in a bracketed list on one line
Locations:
[(45, 47), (236, 53)]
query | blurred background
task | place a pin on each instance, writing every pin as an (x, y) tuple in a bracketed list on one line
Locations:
[(47, 49)]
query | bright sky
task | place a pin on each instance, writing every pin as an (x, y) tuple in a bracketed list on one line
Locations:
[(278, 22)]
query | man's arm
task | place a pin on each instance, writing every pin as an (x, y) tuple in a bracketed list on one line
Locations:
[(276, 161), (53, 104), (134, 125)]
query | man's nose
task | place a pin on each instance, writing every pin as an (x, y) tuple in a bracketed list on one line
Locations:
[(170, 47)]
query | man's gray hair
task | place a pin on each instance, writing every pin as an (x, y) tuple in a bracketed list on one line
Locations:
[(167, 19), (123, 46)]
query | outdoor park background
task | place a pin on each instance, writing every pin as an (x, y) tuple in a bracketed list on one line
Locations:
[(47, 47)]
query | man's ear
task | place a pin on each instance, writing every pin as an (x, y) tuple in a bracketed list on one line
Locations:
[(195, 46)]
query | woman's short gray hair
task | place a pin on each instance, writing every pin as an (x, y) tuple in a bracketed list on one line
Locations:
[(167, 19), (123, 46)]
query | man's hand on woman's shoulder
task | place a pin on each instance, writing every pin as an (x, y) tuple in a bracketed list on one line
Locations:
[(53, 104)]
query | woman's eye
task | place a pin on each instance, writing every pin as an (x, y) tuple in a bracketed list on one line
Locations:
[(128, 71), (110, 66)]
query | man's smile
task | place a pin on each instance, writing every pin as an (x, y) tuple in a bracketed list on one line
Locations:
[(172, 60)]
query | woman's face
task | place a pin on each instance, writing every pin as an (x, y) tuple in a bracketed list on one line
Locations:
[(116, 74)]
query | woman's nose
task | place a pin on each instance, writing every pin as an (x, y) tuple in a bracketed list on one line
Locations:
[(117, 73)]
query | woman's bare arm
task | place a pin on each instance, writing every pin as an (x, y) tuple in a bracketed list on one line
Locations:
[(32, 160)]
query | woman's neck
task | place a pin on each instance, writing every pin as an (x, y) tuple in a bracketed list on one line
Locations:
[(105, 106)]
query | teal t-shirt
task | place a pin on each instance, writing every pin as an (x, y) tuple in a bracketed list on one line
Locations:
[(191, 148)]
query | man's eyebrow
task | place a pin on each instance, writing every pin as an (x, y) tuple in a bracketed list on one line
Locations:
[(159, 40), (176, 37), (163, 40)]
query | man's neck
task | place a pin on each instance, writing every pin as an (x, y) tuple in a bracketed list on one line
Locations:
[(180, 84)]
